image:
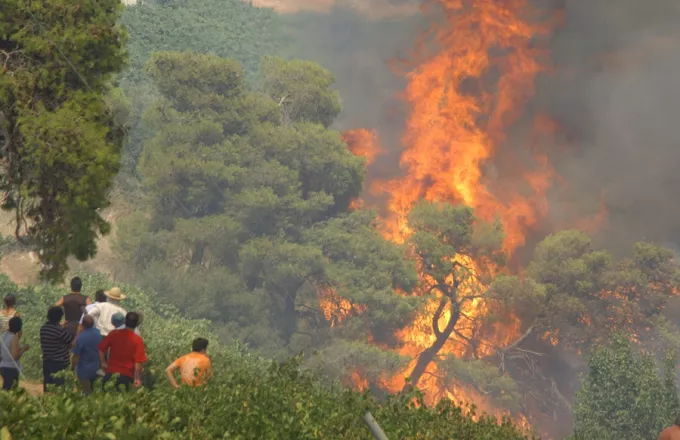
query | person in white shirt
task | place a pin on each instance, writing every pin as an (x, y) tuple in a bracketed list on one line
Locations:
[(103, 312), (99, 297)]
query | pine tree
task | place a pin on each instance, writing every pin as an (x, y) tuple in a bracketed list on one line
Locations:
[(60, 143)]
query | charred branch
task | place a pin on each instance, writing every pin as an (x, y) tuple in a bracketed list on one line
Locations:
[(428, 355)]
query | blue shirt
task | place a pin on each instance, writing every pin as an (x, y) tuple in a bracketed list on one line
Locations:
[(87, 348)]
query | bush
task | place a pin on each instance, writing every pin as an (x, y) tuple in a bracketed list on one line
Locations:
[(248, 397), (623, 396)]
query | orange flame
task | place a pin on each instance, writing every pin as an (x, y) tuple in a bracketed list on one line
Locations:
[(362, 142), (336, 309), (457, 125), (458, 117)]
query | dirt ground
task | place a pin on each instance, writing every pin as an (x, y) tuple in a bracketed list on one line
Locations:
[(32, 388)]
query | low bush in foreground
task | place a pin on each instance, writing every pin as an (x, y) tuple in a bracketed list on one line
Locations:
[(248, 397)]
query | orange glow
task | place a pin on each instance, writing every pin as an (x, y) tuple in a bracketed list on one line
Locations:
[(362, 142), (357, 380), (464, 92), (457, 119), (336, 309), (456, 127)]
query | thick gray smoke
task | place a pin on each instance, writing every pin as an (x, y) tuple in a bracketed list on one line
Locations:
[(617, 95)]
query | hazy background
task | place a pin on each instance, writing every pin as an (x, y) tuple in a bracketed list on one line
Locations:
[(613, 95)]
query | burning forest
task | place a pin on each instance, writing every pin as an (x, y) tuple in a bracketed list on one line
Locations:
[(465, 204)]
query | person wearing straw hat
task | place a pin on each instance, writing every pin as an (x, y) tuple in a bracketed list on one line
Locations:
[(103, 312)]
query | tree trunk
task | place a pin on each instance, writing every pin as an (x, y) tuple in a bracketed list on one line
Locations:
[(427, 356)]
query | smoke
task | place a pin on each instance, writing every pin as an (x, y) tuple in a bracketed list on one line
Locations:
[(616, 93), (613, 93)]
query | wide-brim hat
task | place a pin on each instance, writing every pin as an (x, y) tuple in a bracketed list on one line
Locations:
[(115, 294)]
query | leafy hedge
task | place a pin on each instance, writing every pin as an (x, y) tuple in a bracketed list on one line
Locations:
[(248, 397)]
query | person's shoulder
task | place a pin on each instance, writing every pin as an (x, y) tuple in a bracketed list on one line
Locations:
[(182, 358)]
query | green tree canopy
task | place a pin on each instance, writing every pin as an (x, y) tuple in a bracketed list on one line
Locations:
[(623, 395), (456, 252), (245, 219), (60, 143), (228, 28), (302, 89), (575, 295)]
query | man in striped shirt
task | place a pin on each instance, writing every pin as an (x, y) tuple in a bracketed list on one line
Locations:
[(56, 343)]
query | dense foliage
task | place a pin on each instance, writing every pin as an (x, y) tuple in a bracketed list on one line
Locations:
[(228, 28), (242, 193), (623, 396), (245, 216), (60, 141), (248, 398), (231, 28)]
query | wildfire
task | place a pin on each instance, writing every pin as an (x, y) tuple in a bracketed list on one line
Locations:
[(336, 309), (363, 143), (458, 115), (462, 99), (457, 124)]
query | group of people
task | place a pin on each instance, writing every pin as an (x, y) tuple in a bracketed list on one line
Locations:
[(97, 339)]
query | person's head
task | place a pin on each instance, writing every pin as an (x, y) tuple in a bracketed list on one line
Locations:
[(100, 296), (132, 320), (200, 345), (118, 319), (76, 284), (10, 301), (54, 314), (88, 321), (15, 324)]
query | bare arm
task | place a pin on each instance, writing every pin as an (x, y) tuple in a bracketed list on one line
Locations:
[(14, 349), (170, 373), (60, 303), (102, 360), (138, 374), (88, 301)]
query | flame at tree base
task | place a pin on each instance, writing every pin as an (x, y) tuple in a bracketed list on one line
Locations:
[(462, 99)]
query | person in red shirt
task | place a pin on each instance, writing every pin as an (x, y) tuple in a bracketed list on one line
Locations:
[(126, 354)]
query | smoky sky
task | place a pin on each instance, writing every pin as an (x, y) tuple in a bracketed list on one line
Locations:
[(615, 93)]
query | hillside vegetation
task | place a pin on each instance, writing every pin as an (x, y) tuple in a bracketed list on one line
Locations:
[(248, 397), (239, 217)]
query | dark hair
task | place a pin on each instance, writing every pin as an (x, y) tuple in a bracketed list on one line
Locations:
[(100, 296), (54, 314), (76, 284), (88, 321), (10, 300), (15, 324), (131, 320), (199, 344)]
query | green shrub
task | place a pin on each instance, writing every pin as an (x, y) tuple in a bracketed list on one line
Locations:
[(248, 397)]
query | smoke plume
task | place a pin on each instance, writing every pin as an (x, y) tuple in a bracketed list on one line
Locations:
[(612, 94), (615, 95)]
